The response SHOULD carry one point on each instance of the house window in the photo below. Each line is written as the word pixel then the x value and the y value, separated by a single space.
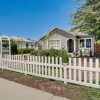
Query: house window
pixel 27 45
pixel 82 43
pixel 88 43
pixel 54 43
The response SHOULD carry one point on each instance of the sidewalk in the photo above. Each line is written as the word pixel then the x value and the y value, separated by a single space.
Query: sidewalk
pixel 13 91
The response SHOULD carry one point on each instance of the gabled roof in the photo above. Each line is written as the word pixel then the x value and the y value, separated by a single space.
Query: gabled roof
pixel 75 33
pixel 51 32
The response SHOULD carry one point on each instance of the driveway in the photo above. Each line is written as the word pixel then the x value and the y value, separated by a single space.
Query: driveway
pixel 13 91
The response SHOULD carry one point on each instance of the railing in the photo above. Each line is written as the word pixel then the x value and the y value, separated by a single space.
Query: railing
pixel 78 71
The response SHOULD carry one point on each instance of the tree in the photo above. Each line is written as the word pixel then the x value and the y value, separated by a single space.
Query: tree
pixel 14 49
pixel 87 17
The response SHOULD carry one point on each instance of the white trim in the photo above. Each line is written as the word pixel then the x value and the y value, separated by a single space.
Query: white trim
pixel 85 43
pixel 91 42
pixel 8 48
pixel 85 48
pixel 54 39
pixel 74 44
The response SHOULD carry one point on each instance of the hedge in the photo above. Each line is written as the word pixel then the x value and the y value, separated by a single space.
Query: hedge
pixel 25 51
pixel 52 53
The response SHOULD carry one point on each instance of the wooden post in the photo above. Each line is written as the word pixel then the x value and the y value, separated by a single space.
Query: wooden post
pixel 65 74
pixel 97 73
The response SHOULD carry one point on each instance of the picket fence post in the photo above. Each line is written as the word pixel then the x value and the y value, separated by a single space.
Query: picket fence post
pixel 25 66
pixel 65 73
pixel 2 63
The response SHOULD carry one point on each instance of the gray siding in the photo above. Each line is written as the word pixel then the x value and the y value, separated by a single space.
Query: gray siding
pixel 60 35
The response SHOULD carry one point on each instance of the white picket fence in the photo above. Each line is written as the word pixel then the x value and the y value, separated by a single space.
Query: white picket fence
pixel 78 71
pixel 84 72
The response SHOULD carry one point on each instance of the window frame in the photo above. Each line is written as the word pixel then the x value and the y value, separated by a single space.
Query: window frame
pixel 80 42
pixel 85 43
pixel 53 46
pixel 90 43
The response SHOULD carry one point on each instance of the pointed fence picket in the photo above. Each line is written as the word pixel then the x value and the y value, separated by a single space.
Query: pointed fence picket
pixel 78 71
pixel 83 74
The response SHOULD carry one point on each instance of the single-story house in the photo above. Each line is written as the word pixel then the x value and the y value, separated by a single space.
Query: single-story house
pixel 71 42
pixel 23 42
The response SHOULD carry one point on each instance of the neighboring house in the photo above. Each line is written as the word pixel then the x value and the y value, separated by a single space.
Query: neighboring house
pixel 71 42
pixel 22 42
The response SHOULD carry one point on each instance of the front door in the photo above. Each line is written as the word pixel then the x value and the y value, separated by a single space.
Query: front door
pixel 70 46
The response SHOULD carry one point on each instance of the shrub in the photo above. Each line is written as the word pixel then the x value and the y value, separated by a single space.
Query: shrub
pixel 34 52
pixel 43 53
pixel 25 51
pixel 14 49
pixel 64 55
pixel 52 53
pixel 40 53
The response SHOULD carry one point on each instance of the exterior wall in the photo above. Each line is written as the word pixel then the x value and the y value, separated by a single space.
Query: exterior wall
pixel 92 44
pixel 64 37
pixel 23 45
pixel 58 34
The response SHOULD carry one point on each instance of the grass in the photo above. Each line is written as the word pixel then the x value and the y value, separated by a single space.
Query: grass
pixel 70 91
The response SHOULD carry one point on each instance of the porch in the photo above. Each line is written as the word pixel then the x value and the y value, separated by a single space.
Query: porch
pixel 71 45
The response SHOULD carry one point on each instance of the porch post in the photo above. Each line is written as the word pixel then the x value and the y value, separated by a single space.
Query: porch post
pixel 66 45
pixel 75 45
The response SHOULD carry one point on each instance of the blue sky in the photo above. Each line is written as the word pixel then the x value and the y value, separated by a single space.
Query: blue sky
pixel 33 18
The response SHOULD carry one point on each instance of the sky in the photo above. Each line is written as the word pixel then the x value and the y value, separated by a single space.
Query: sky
pixel 33 18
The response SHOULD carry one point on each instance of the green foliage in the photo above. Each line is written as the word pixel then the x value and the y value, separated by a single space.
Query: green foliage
pixel 64 55
pixel 98 42
pixel 52 53
pixel 5 43
pixel 25 51
pixel 34 52
pixel 80 53
pixel 14 49
pixel 13 46
pixel 87 17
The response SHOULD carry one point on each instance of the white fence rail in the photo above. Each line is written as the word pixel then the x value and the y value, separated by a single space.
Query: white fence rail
pixel 78 71
pixel 34 65
pixel 84 72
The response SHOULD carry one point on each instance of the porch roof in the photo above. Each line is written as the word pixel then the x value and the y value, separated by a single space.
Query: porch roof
pixel 84 35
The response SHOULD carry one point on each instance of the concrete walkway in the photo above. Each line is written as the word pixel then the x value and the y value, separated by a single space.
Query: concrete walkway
pixel 13 91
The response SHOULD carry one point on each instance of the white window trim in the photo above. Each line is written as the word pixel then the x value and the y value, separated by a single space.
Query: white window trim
pixel 91 43
pixel 54 39
pixel 85 43
pixel 74 44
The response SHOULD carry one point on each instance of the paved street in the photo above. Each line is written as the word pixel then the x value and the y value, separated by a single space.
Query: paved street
pixel 13 91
